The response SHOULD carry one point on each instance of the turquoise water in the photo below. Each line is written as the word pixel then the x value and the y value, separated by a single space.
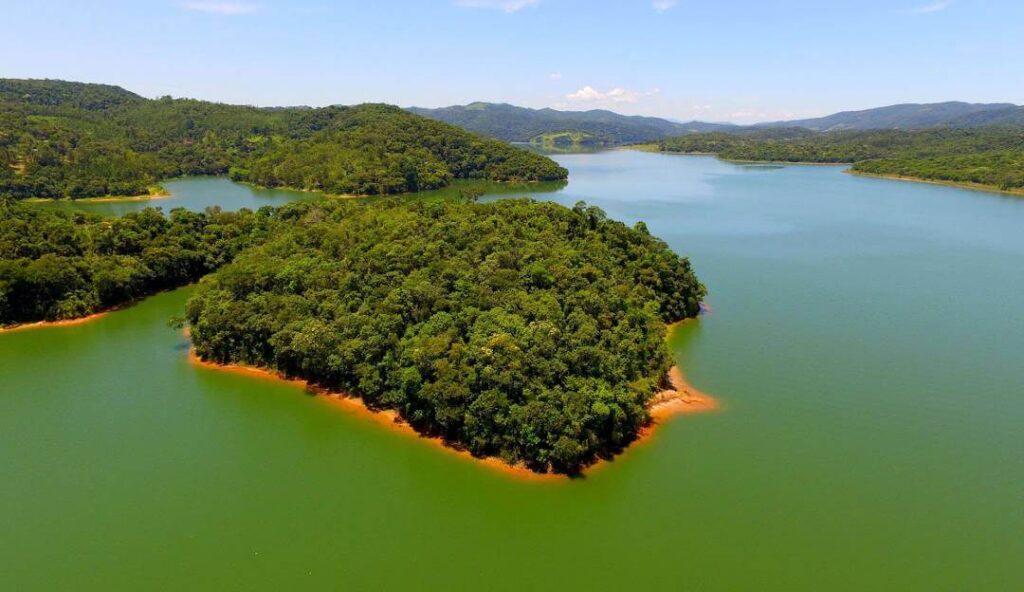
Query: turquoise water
pixel 195 193
pixel 864 340
pixel 198 193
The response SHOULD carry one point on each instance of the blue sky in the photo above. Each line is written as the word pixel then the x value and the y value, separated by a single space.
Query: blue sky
pixel 686 59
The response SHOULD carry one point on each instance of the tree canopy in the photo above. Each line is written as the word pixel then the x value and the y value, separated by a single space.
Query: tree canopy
pixel 58 265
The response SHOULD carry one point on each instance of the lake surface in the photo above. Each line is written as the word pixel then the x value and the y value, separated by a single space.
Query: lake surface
pixel 198 193
pixel 865 340
pixel 194 193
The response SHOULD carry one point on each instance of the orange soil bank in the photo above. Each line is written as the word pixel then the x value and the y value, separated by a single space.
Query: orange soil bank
pixel 681 399
pixel 64 323
pixel 386 417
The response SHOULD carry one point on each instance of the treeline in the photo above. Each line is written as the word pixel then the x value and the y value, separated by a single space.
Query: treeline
pixel 986 156
pixel 57 265
pixel 65 139
pixel 522 330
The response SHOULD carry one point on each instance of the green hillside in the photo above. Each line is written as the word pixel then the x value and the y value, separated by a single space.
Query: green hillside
pixel 69 139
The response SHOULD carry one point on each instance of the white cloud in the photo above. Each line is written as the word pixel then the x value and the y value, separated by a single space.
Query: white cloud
pixel 930 8
pixel 589 94
pixel 221 7
pixel 663 5
pixel 508 6
pixel 555 76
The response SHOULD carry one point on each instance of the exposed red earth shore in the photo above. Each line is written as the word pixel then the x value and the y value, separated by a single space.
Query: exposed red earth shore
pixel 681 399
pixel 62 323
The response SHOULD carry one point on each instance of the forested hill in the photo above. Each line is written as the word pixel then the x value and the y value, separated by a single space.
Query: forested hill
pixel 71 139
pixel 520 124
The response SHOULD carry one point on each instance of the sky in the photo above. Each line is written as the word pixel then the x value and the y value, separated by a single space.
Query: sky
pixel 739 61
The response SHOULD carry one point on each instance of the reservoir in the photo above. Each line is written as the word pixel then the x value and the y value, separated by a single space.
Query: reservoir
pixel 864 339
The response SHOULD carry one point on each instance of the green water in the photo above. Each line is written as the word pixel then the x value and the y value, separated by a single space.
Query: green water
pixel 865 340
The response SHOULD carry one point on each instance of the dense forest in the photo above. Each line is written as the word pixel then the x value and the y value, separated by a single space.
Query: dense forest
pixel 993 157
pixel 58 265
pixel 522 330
pixel 68 139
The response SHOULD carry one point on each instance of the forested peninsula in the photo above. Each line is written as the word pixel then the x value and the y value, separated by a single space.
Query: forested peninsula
pixel 987 157
pixel 75 140
pixel 525 331
pixel 520 330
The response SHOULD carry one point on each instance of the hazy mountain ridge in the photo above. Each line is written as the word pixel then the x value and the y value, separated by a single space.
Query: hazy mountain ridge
pixel 522 124
pixel 912 116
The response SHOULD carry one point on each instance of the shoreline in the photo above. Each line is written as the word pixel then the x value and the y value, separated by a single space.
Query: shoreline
pixel 328 196
pixel 783 162
pixel 387 418
pixel 652 148
pixel 61 323
pixel 87 318
pixel 155 195
pixel 957 184
pixel 891 177
pixel 681 399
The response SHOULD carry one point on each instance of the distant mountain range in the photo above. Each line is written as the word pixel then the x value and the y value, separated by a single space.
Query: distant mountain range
pixel 601 127
pixel 913 116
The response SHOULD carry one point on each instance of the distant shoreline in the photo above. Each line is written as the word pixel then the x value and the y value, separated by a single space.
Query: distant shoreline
pixel 892 177
pixel 681 399
pixel 653 148
pixel 328 196
pixel 783 162
pixel 83 319
pixel 958 184
pixel 157 193
pixel 61 323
